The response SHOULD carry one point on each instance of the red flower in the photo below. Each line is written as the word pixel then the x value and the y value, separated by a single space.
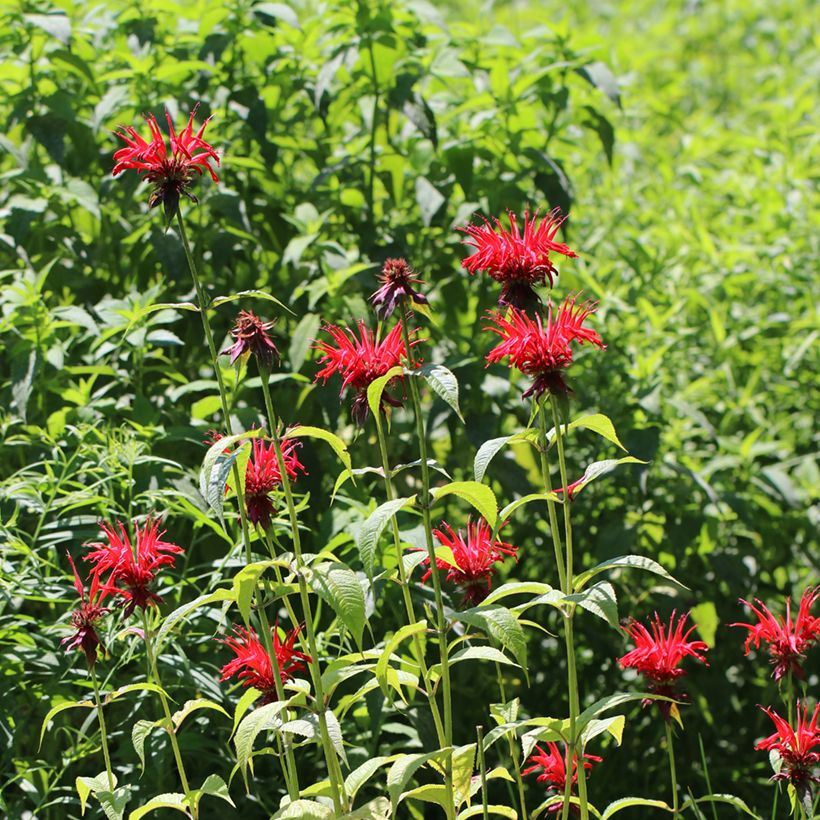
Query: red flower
pixel 361 361
pixel 787 640
pixel 657 655
pixel 795 747
pixel 554 771
pixel 250 335
pixel 475 557
pixel 542 349
pixel 263 477
pixel 131 577
pixel 252 664
pixel 170 173
pixel 397 278
pixel 85 618
pixel 517 260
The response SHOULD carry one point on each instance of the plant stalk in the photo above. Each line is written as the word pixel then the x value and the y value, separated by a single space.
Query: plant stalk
pixel 103 733
pixel 479 730
pixel 513 746
pixel 671 752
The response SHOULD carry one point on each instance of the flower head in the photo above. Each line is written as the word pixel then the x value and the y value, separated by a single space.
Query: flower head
pixel 475 554
pixel 169 169
pixel 552 770
pixel 252 664
pixel 86 616
pixel 541 349
pixel 131 577
pixel 263 476
pixel 787 640
pixel 397 278
pixel 250 335
pixel 519 260
pixel 361 360
pixel 795 747
pixel 657 655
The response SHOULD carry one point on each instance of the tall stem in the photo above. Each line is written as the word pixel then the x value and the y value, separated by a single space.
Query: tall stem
pixel 553 517
pixel 572 676
pixel 479 730
pixel 671 752
pixel 101 716
pixel 292 779
pixel 424 503
pixel 513 746
pixel 169 722
pixel 337 788
pixel 405 589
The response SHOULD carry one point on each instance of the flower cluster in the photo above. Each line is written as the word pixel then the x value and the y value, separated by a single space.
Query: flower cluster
pixel 552 771
pixel 263 476
pixel 361 360
pixel 169 168
pixel 795 746
pixel 251 337
pixel 658 654
pixel 398 279
pixel 787 640
pixel 85 618
pixel 475 554
pixel 252 664
pixel 542 348
pixel 517 259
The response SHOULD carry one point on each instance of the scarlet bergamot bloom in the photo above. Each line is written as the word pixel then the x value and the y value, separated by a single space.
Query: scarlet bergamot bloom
pixel 252 664
pixel 658 654
pixel 476 553
pixel 169 168
pixel 552 771
pixel 542 348
pixel 398 279
pixel 361 360
pixel 131 577
pixel 787 640
pixel 85 618
pixel 518 260
pixel 263 476
pixel 795 746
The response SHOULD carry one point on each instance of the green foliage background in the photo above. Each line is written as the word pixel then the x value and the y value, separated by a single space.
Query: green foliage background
pixel 682 137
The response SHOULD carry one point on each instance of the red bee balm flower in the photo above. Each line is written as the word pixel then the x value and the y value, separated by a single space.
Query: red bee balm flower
pixel 131 577
pixel 252 664
pixel 553 771
pixel 397 278
pixel 542 349
pixel 517 260
pixel 170 172
pixel 250 335
pixel 795 747
pixel 361 361
pixel 85 618
pixel 787 640
pixel 263 477
pixel 657 655
pixel 475 557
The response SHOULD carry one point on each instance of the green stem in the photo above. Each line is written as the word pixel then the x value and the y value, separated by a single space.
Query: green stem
pixel 292 779
pixel 103 733
pixel 513 746
pixel 572 676
pixel 671 752
pixel 479 730
pixel 169 722
pixel 373 127
pixel 405 588
pixel 424 503
pixel 337 788
pixel 553 518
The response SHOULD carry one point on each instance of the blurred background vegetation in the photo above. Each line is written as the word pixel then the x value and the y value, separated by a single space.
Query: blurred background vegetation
pixel 683 139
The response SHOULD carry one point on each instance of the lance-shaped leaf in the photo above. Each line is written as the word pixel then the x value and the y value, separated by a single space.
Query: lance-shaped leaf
pixel 488 451
pixel 442 382
pixel 501 624
pixel 306 431
pixel 339 587
pixel 260 719
pixel 478 495
pixel 372 528
pixel 625 562
pixel 376 388
pixel 600 600
pixel 247 294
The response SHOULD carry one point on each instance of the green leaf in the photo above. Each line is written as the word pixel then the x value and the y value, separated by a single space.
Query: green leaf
pixel 442 382
pixel 339 587
pixel 599 75
pixel 377 387
pixel 260 719
pixel 249 697
pixel 93 785
pixel 600 600
pixel 624 561
pixel 613 725
pixel 527 499
pixel 518 588
pixel 303 334
pixel 193 706
pixel 498 811
pixel 182 612
pixel 501 624
pixel 598 423
pixel 214 786
pixel 729 799
pixel 61 707
pixel 361 774
pixel 281 11
pixel 463 767
pixel 404 768
pixel 429 199
pixel 601 468
pixel 478 495
pixel 245 584
pixel 483 653
pixel 369 533
pixel 139 734
pixel 491 448
pixel 429 793
pixel 306 431
pixel 169 800
pixel 304 810
pixel 247 294
pixel 392 645
pixel 631 802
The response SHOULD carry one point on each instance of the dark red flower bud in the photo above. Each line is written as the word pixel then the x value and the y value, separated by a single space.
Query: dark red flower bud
pixel 397 278
pixel 251 336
